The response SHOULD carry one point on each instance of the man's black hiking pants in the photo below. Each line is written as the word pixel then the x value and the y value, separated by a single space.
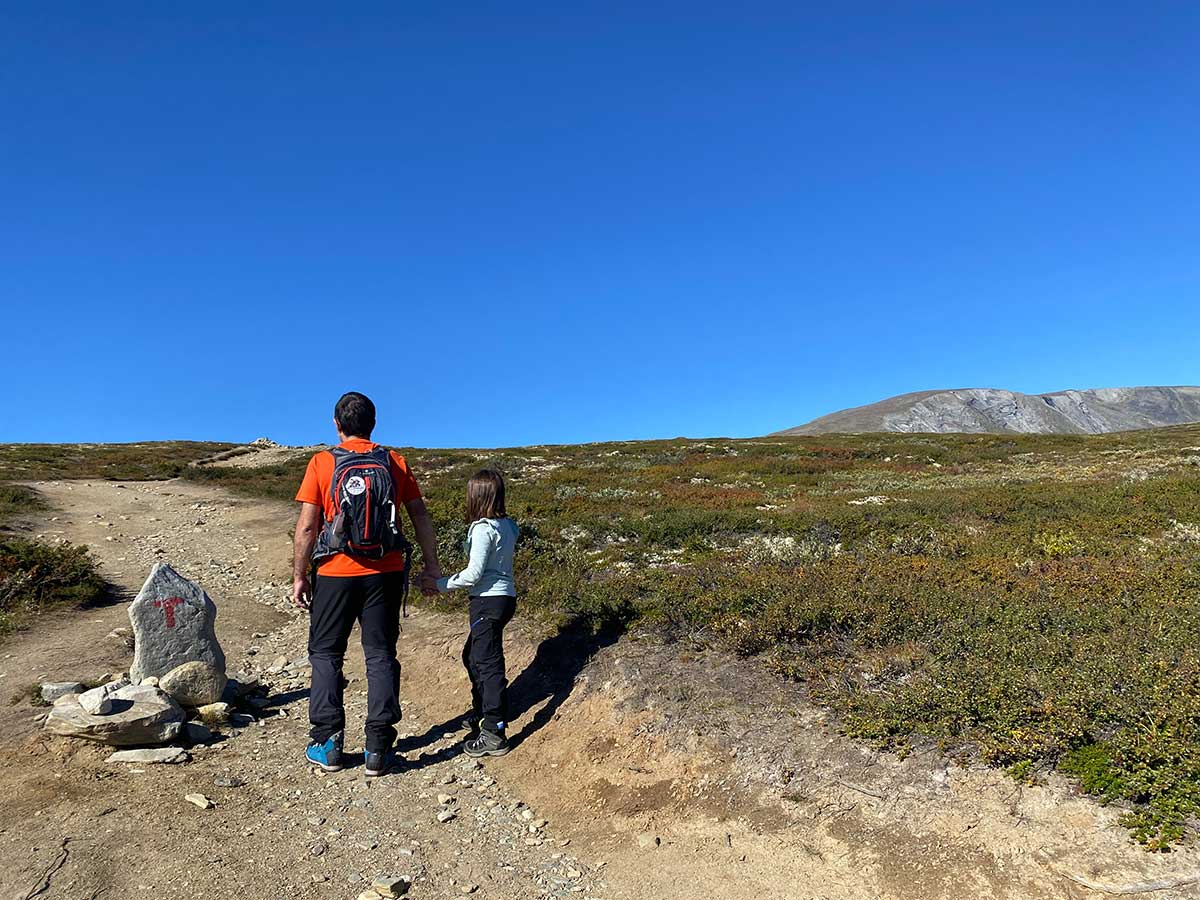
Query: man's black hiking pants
pixel 374 601
pixel 483 655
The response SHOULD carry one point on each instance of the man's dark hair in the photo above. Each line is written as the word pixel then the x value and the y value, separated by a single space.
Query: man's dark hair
pixel 355 415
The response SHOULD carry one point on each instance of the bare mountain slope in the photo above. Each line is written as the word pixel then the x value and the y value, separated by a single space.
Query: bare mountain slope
pixel 980 410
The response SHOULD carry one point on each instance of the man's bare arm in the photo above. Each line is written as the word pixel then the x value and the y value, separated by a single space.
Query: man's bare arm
pixel 308 526
pixel 423 528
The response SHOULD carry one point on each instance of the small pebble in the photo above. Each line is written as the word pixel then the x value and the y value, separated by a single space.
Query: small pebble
pixel 199 800
pixel 391 886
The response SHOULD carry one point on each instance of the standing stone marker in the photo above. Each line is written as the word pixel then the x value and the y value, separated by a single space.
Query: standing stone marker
pixel 173 623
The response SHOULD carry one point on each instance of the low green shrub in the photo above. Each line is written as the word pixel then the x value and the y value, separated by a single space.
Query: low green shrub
pixel 36 578
pixel 16 499
pixel 121 462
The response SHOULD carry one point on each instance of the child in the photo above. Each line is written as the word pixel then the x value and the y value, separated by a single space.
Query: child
pixel 491 542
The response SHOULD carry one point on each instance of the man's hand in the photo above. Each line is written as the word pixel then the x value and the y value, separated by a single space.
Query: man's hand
pixel 428 581
pixel 423 527
pixel 307 527
pixel 302 592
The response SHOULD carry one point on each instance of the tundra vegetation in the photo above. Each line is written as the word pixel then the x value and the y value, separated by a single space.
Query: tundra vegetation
pixel 1029 601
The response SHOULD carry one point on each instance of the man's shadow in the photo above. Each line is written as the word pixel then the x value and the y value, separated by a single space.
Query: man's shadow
pixel 549 677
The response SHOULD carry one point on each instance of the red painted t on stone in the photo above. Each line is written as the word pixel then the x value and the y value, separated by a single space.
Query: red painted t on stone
pixel 168 608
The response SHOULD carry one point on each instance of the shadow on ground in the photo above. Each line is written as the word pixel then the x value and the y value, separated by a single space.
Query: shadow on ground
pixel 549 677
pixel 112 595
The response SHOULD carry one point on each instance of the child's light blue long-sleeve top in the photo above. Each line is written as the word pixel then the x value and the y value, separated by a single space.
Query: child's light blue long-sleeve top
pixel 491 545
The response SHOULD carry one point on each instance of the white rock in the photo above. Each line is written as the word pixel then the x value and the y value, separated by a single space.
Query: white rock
pixel 52 690
pixel 391 885
pixel 214 714
pixel 194 683
pixel 167 755
pixel 98 701
pixel 199 800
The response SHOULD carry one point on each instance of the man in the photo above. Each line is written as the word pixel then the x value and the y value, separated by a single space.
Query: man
pixel 361 558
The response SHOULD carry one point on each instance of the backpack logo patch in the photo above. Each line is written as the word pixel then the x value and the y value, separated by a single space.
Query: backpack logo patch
pixel 355 485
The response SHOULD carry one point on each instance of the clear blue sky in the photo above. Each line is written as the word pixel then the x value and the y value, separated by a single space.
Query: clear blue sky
pixel 520 223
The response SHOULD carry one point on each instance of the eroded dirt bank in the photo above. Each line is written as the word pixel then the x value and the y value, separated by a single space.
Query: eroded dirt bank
pixel 663 774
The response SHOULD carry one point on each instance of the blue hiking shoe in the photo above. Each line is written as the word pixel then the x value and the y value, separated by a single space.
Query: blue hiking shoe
pixel 327 755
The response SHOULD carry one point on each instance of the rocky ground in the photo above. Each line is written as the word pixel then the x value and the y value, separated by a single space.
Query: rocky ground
pixel 641 770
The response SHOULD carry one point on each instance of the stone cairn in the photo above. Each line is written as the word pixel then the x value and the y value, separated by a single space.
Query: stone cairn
pixel 178 673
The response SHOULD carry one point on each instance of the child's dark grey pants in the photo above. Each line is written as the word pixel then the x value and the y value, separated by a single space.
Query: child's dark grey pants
pixel 483 655
pixel 374 601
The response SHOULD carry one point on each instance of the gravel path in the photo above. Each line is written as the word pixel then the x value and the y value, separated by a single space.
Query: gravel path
pixel 277 828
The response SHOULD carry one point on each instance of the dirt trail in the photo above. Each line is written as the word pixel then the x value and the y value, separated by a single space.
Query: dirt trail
pixel 663 774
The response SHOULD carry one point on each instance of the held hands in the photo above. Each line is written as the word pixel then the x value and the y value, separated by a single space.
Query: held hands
pixel 428 581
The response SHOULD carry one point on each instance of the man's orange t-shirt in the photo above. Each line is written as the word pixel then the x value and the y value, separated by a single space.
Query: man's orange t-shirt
pixel 315 490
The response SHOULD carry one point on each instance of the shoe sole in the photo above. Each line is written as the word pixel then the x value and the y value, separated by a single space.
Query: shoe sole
pixel 478 753
pixel 375 773
pixel 325 767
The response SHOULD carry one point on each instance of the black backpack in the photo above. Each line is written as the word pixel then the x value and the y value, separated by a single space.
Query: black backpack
pixel 364 495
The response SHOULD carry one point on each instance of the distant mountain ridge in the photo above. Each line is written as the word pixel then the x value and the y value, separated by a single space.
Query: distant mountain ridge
pixel 991 410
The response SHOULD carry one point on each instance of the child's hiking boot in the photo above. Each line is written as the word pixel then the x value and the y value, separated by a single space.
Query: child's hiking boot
pixel 378 763
pixel 327 755
pixel 486 743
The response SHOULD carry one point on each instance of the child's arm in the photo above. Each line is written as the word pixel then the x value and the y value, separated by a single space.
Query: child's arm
pixel 481 548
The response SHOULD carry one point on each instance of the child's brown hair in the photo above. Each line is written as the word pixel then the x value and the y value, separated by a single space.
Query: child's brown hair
pixel 485 496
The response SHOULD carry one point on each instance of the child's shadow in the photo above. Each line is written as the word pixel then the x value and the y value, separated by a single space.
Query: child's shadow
pixel 549 676
pixel 552 673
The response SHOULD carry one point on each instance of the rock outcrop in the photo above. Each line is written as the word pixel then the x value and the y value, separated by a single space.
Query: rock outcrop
pixel 988 410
